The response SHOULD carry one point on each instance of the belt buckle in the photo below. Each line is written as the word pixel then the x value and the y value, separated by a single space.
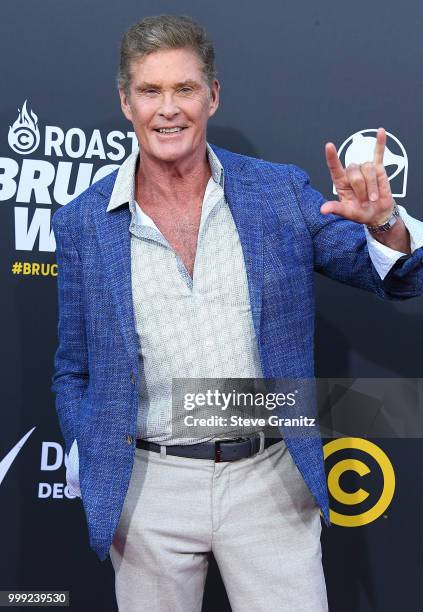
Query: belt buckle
pixel 218 450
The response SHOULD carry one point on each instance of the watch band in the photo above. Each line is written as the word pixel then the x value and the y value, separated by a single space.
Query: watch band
pixel 391 220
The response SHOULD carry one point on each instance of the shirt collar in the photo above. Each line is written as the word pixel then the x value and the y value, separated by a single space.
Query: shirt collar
pixel 123 189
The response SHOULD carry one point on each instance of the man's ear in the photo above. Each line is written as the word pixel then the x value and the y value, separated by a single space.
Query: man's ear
pixel 214 97
pixel 124 104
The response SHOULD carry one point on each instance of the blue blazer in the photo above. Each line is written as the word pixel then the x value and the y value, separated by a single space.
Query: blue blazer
pixel 284 239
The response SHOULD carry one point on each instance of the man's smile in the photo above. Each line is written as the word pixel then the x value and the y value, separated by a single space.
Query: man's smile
pixel 170 132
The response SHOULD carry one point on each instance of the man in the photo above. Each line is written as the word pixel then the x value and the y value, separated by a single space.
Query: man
pixel 195 262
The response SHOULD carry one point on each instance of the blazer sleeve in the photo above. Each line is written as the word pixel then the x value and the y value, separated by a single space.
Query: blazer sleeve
pixel 70 378
pixel 341 253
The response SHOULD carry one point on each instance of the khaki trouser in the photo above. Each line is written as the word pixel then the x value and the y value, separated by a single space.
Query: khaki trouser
pixel 256 515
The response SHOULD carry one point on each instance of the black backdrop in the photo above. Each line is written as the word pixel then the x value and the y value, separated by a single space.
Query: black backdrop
pixel 294 75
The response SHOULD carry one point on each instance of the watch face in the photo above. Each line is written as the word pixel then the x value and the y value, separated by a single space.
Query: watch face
pixel 389 223
pixel 393 220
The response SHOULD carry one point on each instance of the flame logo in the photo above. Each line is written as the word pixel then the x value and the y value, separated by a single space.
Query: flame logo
pixel 359 148
pixel 24 135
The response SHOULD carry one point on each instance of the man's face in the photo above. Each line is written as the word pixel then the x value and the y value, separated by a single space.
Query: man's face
pixel 168 90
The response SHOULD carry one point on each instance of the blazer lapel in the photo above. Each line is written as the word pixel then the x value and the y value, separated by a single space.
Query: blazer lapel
pixel 115 245
pixel 244 199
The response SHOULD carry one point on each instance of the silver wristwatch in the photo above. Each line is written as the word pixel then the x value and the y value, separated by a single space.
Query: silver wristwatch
pixel 384 227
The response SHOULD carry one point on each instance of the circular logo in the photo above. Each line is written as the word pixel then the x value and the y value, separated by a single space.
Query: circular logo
pixel 359 148
pixel 359 496
pixel 24 135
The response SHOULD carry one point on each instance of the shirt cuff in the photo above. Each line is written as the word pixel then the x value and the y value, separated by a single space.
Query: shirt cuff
pixel 72 470
pixel 382 256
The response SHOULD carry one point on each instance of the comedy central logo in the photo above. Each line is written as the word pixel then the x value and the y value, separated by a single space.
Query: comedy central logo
pixel 359 148
pixel 24 135
pixel 361 481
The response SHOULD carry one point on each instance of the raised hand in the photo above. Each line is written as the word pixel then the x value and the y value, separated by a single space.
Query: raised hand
pixel 363 189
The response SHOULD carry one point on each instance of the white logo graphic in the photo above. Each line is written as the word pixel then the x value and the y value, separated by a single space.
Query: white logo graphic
pixel 24 135
pixel 12 454
pixel 65 163
pixel 359 148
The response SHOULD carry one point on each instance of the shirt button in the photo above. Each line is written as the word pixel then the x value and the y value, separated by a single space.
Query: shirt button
pixel 129 439
pixel 132 378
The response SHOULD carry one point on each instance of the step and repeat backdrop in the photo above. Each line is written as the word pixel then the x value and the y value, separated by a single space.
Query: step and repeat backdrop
pixel 294 75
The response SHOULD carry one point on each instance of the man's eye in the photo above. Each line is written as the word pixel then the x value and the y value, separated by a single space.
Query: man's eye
pixel 186 89
pixel 150 91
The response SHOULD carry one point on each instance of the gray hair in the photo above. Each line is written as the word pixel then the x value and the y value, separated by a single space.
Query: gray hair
pixel 164 32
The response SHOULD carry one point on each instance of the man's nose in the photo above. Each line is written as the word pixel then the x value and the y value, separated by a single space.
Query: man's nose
pixel 169 107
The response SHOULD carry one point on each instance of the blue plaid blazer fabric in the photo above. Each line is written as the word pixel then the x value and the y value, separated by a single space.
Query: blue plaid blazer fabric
pixel 284 239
